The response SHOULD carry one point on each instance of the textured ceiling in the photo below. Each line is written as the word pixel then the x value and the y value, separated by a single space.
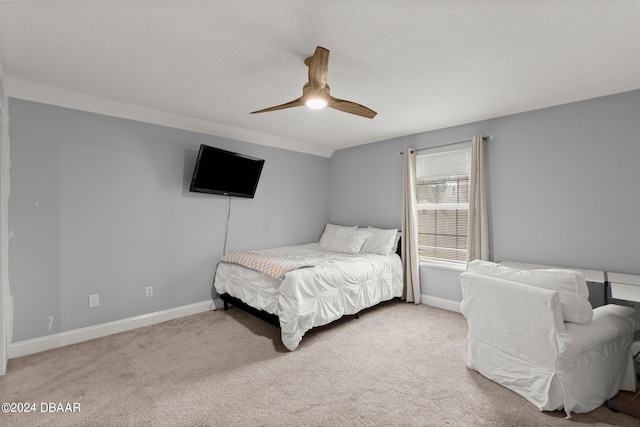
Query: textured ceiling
pixel 421 65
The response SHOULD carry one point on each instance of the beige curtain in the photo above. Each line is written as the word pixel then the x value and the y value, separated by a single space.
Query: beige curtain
pixel 478 230
pixel 409 240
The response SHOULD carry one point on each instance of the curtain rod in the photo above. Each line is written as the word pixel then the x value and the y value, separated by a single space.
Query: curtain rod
pixel 484 138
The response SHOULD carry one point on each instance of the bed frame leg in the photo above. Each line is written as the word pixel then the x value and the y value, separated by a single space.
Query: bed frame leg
pixel 226 305
pixel 357 315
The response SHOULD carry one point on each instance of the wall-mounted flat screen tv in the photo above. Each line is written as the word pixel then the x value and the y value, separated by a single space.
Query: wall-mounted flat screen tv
pixel 224 172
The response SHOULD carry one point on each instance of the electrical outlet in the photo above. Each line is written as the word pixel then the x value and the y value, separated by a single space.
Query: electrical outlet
pixel 148 291
pixel 94 300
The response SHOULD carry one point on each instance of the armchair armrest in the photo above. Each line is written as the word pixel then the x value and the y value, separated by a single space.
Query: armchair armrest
pixel 518 319
pixel 610 323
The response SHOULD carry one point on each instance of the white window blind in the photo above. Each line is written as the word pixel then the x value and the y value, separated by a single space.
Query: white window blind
pixel 442 186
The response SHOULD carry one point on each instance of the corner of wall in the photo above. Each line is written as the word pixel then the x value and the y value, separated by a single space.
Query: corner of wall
pixel 5 308
pixel 3 95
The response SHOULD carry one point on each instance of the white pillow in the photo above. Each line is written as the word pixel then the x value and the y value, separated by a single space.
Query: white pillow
pixel 395 242
pixel 381 241
pixel 329 231
pixel 570 285
pixel 348 241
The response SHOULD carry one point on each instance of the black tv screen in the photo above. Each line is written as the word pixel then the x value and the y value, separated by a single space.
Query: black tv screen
pixel 224 172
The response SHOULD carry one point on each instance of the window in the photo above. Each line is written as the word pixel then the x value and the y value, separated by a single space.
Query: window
pixel 442 186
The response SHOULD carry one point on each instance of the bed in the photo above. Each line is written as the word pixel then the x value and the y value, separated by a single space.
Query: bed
pixel 305 286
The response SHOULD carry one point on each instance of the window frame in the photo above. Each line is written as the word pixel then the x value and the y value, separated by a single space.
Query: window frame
pixel 434 260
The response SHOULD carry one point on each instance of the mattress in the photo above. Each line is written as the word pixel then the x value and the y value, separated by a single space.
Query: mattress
pixel 338 284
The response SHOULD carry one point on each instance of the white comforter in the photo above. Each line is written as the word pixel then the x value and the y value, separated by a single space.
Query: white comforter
pixel 339 284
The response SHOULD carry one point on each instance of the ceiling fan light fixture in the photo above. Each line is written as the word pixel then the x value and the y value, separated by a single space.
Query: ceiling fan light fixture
pixel 315 93
pixel 315 103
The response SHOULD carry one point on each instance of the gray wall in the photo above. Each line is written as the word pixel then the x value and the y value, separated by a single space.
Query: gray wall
pixel 563 186
pixel 101 205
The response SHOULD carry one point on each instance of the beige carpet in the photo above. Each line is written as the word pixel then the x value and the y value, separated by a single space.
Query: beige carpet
pixel 398 365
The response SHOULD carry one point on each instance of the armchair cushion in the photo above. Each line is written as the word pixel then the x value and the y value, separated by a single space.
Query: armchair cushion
pixel 570 285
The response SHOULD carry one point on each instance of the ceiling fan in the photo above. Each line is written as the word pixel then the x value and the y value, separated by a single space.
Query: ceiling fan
pixel 315 93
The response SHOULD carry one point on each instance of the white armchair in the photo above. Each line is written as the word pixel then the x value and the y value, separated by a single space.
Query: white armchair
pixel 519 337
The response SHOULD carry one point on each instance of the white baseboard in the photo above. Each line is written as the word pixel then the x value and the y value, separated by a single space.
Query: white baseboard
pixel 49 342
pixel 445 304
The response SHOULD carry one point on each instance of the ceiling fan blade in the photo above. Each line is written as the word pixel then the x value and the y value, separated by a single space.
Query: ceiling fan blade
pixel 351 107
pixel 318 64
pixel 295 103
